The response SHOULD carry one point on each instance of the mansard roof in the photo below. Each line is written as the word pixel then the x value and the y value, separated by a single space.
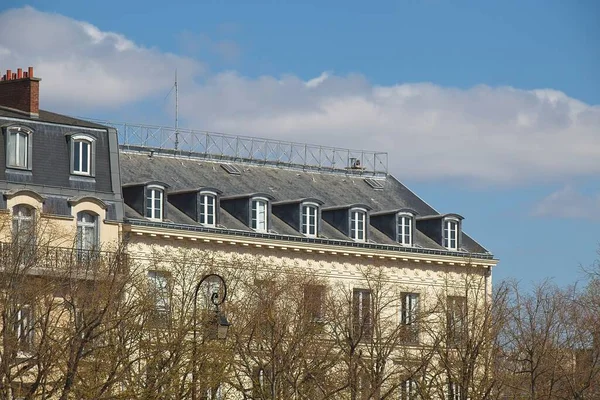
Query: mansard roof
pixel 282 184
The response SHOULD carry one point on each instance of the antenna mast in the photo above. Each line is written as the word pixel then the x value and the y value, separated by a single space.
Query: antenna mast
pixel 176 113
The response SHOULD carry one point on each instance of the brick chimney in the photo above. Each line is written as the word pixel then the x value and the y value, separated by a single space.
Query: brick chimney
pixel 20 91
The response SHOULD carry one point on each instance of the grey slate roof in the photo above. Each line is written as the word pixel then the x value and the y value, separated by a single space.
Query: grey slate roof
pixel 50 117
pixel 283 184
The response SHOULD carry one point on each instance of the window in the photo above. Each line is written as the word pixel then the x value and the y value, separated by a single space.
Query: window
pixel 18 148
pixel 456 319
pixel 314 296
pixel 451 234
pixel 23 230
pixel 207 209
pixel 23 326
pixel 214 393
pixel 408 390
pixel 309 220
pixel 159 290
pixel 405 229
pixel 454 391
pixel 82 155
pixel 259 215
pixel 261 383
pixel 154 202
pixel 87 234
pixel 410 315
pixel 361 313
pixel 357 225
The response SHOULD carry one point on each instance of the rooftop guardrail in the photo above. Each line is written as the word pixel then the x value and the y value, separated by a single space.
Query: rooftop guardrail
pixel 221 146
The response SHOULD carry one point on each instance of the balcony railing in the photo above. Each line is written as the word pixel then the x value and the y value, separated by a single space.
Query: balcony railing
pixel 60 261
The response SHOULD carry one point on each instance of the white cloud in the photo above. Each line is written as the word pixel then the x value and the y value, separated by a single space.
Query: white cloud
pixel 82 66
pixel 483 134
pixel 569 203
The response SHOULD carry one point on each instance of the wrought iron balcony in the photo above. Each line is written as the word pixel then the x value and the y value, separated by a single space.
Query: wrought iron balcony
pixel 60 262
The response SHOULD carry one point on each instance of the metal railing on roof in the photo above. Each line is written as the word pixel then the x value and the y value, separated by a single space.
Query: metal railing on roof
pixel 220 146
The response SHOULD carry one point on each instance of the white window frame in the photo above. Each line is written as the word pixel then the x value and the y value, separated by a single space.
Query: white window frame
pixel 77 142
pixel 358 225
pixel 408 390
pixel 455 391
pixel 451 232
pixel 154 213
pixel 23 225
pixel 409 312
pixel 159 284
pixel 403 221
pixel 24 325
pixel 20 148
pixel 259 206
pixel 207 201
pixel 307 227
pixel 87 231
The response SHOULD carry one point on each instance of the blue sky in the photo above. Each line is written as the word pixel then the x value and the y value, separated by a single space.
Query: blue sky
pixel 487 109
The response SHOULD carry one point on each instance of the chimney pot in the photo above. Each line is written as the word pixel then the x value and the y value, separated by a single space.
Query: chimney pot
pixel 19 93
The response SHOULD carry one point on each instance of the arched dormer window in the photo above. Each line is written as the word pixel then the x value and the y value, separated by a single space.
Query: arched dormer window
pixel 207 210
pixel 310 223
pixel 404 230
pixel 155 202
pixel 358 224
pixel 259 220
pixel 451 233
pixel 83 154
pixel 19 147
pixel 87 232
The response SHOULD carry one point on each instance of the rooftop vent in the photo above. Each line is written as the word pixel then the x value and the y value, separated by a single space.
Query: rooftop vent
pixel 231 169
pixel 375 184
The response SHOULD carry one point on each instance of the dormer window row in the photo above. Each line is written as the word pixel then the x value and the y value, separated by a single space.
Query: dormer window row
pixel 255 210
pixel 19 150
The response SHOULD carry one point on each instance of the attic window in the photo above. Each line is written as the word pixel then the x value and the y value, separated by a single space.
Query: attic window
pixel 405 223
pixel 309 219
pixel 207 209
pixel 154 202
pixel 451 234
pixel 358 223
pixel 375 184
pixel 18 148
pixel 259 221
pixel 231 169
pixel 83 153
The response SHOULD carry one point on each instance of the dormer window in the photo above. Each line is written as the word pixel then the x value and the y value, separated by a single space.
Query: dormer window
pixel 309 219
pixel 259 221
pixel 404 229
pixel 18 148
pixel 82 155
pixel 206 213
pixel 358 222
pixel 154 202
pixel 451 234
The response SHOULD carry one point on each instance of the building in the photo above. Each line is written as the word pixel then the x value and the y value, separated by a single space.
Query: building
pixel 330 212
